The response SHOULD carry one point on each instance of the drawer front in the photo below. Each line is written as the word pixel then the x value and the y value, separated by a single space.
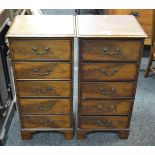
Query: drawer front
pixel 41 49
pixel 42 70
pixel 107 90
pixel 43 89
pixel 105 107
pixel 103 122
pixel 45 106
pixel 110 50
pixel 108 71
pixel 49 121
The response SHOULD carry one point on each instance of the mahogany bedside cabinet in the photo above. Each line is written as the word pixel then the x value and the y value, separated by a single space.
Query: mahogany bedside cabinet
pixel 41 49
pixel 110 48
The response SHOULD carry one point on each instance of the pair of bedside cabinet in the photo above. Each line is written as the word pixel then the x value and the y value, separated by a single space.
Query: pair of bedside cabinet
pixel 42 53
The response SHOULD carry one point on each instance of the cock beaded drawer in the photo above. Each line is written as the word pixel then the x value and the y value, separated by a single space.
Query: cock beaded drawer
pixel 42 58
pixel 110 49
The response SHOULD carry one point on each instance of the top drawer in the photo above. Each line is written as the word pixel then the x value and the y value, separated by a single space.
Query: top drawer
pixel 110 50
pixel 41 49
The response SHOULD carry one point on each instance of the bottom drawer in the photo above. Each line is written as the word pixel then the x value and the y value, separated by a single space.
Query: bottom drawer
pixel 49 121
pixel 102 122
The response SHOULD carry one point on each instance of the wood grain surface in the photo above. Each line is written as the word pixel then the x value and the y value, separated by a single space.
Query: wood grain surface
pixel 105 107
pixel 43 70
pixel 145 17
pixel 109 26
pixel 43 89
pixel 45 106
pixel 46 121
pixel 107 89
pixel 41 49
pixel 103 122
pixel 43 26
pixel 108 71
pixel 110 50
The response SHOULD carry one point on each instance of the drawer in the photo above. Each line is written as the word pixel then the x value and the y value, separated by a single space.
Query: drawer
pixel 110 50
pixel 107 90
pixel 48 121
pixel 45 106
pixel 34 49
pixel 116 107
pixel 43 89
pixel 43 70
pixel 108 71
pixel 103 122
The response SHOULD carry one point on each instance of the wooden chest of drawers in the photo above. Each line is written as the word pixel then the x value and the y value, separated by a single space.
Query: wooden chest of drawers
pixel 109 58
pixel 42 58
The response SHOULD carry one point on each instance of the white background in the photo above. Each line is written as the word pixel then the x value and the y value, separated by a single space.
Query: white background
pixel 77 4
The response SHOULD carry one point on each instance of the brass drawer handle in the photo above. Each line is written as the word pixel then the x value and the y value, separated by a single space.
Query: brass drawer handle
pixel 136 14
pixel 46 108
pixel 106 73
pixel 111 52
pixel 104 91
pixel 106 109
pixel 48 90
pixel 104 123
pixel 49 123
pixel 36 70
pixel 46 50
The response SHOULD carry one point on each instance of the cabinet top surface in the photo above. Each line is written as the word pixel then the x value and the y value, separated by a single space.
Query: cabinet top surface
pixel 42 26
pixel 108 26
